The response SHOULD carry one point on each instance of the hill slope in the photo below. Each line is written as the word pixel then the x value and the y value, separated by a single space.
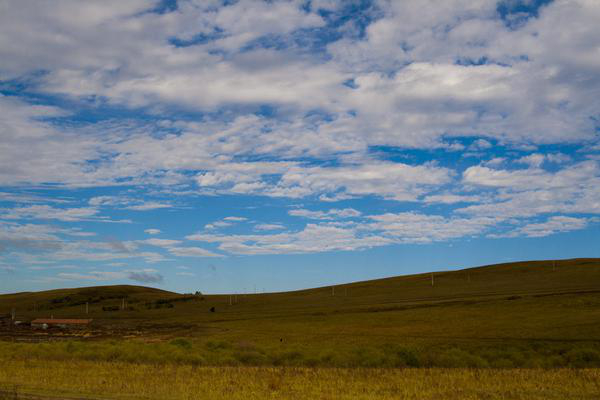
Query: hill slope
pixel 522 284
pixel 540 313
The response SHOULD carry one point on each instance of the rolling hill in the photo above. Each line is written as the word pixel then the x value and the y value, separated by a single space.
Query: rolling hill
pixel 556 295
pixel 538 313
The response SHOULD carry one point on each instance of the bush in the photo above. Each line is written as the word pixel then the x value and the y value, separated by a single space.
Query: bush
pixel 180 342
pixel 583 358
pixel 250 357
pixel 406 358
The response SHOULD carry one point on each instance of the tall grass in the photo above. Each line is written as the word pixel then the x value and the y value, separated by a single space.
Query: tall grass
pixel 120 380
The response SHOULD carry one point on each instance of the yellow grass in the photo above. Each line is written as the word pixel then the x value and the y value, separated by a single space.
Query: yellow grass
pixel 115 380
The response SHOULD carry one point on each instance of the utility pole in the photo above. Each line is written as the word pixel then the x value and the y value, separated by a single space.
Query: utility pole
pixel 432 279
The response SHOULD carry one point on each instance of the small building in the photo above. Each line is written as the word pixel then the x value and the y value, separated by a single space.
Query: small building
pixel 45 323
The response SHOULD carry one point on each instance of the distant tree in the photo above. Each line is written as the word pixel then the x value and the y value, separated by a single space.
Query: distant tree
pixel 198 293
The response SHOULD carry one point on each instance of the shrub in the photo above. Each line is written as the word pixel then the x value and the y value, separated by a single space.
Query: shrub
pixel 583 358
pixel 406 358
pixel 180 342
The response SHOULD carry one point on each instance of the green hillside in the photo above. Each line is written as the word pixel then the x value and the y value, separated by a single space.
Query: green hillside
pixel 518 312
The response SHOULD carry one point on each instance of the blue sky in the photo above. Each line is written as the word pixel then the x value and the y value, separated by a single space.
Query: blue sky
pixel 234 146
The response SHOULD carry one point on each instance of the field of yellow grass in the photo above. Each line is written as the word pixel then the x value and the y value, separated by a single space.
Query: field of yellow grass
pixel 117 380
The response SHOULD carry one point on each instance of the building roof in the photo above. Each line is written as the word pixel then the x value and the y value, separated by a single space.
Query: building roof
pixel 61 321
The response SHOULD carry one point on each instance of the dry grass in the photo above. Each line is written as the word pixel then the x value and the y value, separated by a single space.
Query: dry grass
pixel 127 381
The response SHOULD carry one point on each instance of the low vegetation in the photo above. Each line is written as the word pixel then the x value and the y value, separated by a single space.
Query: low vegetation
pixel 525 330
pixel 195 352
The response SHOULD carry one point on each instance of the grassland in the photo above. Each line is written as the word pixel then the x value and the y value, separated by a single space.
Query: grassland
pixel 120 381
pixel 508 323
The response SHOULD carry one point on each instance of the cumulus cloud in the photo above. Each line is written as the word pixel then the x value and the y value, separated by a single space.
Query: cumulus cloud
pixel 534 191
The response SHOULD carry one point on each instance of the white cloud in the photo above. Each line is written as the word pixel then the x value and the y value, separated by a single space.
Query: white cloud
pixel 424 75
pixel 410 227
pixel 313 238
pixel 28 238
pixel 551 226
pixel 192 252
pixel 127 203
pixel 235 219
pixel 533 178
pixel 449 198
pixel 268 227
pixel 43 211
pixel 373 231
pixel 160 242
pixel 533 191
pixel 149 205
pixel 533 160
pixel 391 180
pixel 325 215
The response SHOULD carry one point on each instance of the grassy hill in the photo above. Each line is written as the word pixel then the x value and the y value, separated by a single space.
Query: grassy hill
pixel 528 313
pixel 64 301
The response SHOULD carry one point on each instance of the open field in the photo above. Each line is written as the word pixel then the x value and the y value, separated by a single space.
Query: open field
pixel 515 326
pixel 95 380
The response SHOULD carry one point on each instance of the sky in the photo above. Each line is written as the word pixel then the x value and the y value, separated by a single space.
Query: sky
pixel 250 146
